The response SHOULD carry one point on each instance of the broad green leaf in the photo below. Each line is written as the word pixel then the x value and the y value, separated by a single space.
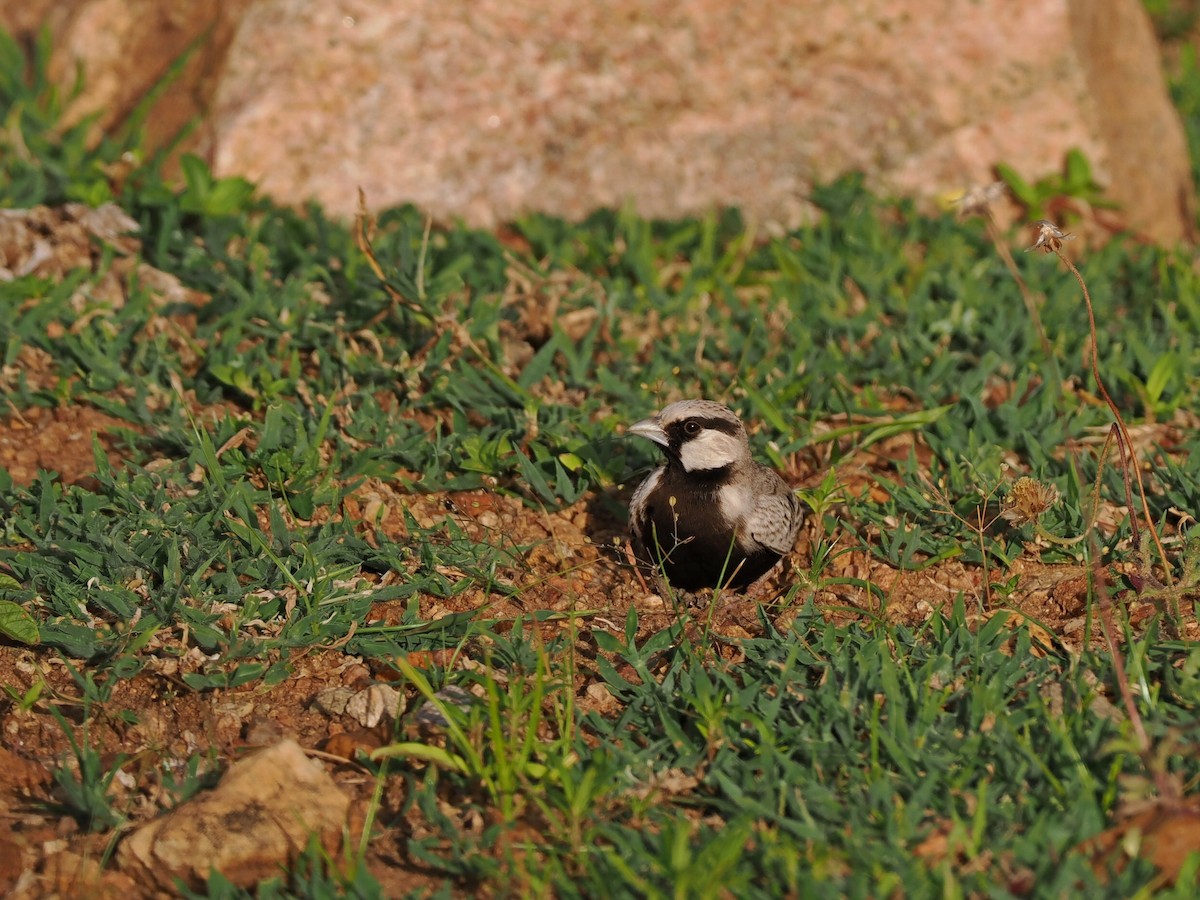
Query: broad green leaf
pixel 17 624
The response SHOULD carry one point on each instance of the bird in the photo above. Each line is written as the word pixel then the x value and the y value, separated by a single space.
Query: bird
pixel 709 516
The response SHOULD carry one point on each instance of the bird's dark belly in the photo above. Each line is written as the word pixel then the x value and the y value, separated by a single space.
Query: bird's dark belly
pixel 694 548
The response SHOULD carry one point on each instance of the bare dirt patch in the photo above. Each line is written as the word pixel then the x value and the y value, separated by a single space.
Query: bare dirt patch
pixel 61 440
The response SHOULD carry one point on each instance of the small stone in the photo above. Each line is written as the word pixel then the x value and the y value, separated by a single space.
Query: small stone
pixel 429 716
pixel 257 819
pixel 333 700
pixel 369 707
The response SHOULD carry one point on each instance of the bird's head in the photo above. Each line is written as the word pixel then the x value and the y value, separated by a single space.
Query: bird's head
pixel 704 436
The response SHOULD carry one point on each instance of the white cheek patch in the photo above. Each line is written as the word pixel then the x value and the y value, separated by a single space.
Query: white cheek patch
pixel 710 449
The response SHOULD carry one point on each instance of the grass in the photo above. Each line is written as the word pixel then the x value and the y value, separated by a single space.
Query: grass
pixel 296 458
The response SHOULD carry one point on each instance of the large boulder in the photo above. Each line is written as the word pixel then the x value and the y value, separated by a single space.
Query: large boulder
pixel 485 109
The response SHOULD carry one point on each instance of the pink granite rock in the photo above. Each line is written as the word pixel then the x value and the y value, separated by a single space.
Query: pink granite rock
pixel 485 109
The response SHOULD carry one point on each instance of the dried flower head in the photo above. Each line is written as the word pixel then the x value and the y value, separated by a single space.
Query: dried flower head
pixel 1049 237
pixel 1028 500
pixel 977 201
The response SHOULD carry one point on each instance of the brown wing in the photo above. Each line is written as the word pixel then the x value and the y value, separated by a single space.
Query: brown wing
pixel 777 514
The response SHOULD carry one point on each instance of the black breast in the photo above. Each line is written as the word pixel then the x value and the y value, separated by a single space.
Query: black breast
pixel 695 545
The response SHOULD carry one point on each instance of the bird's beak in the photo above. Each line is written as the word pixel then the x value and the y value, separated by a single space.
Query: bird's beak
pixel 649 429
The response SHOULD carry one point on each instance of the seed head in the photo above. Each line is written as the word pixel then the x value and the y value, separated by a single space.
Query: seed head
pixel 978 200
pixel 1049 237
pixel 1028 500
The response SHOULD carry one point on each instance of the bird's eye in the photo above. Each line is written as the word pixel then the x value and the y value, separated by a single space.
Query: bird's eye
pixel 691 427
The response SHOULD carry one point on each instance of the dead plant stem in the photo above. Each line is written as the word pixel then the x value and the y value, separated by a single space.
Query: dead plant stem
pixel 1125 439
